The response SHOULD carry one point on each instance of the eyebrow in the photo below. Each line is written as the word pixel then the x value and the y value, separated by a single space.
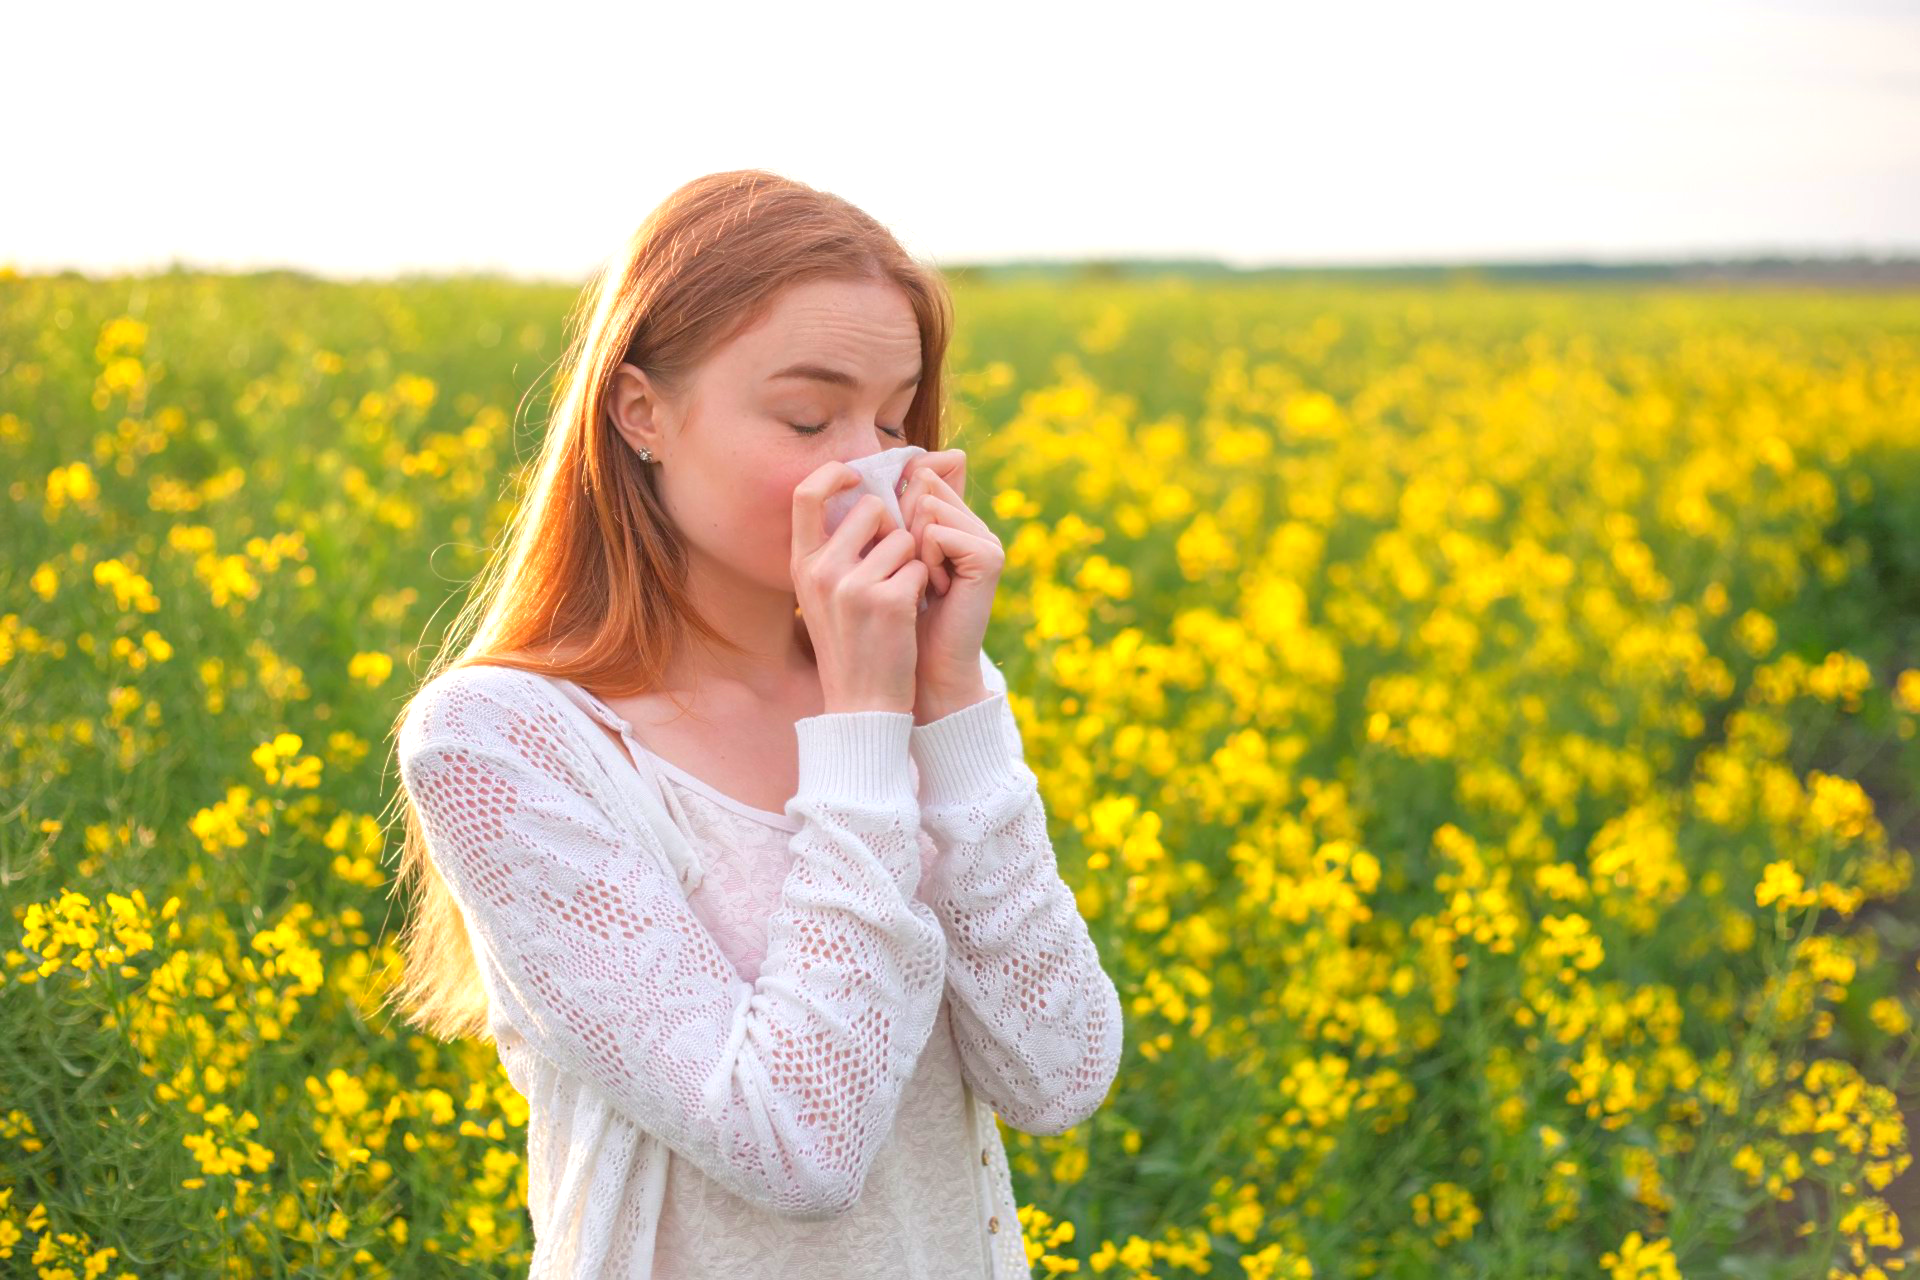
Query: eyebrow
pixel 833 377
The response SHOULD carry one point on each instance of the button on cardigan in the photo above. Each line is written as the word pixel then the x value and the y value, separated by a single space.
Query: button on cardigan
pixel 636 1038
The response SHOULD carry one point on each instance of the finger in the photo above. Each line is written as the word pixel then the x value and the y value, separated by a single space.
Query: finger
pixel 945 463
pixel 949 464
pixel 949 544
pixel 913 572
pixel 934 509
pixel 866 520
pixel 932 555
pixel 931 485
pixel 810 504
pixel 929 515
pixel 890 554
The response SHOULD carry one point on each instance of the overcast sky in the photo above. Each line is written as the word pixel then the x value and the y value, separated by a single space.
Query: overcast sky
pixel 353 139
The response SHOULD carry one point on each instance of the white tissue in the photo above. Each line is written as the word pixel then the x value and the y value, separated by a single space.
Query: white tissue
pixel 880 476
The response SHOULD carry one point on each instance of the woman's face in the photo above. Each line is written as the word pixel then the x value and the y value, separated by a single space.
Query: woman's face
pixel 840 356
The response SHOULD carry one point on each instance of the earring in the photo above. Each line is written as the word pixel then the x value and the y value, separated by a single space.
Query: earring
pixel 646 454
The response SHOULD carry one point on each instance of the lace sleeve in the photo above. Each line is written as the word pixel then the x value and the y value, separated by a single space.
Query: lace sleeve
pixel 783 1089
pixel 1036 1018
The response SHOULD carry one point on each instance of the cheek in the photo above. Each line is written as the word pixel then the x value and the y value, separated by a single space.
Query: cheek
pixel 774 499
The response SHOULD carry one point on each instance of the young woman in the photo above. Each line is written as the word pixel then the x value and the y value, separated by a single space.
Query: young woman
pixel 729 846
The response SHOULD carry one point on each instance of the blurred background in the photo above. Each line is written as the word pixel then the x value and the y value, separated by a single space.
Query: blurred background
pixel 383 139
pixel 1460 473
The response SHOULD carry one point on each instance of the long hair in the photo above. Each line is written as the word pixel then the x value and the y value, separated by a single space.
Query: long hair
pixel 588 579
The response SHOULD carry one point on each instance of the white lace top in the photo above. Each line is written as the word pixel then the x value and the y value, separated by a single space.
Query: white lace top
pixel 935 1199
pixel 717 1013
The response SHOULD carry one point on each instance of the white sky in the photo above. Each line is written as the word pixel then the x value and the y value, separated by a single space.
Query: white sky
pixel 364 139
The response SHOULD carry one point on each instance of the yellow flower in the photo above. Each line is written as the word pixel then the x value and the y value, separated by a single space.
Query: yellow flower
pixel 1639 1259
pixel 1781 883
pixel 276 761
pixel 70 484
pixel 1906 690
pixel 371 669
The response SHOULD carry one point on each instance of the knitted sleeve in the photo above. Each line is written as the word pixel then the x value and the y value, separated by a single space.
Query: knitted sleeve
pixel 783 1089
pixel 1036 1018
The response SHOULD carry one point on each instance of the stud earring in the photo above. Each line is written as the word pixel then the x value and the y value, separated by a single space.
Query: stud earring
pixel 646 454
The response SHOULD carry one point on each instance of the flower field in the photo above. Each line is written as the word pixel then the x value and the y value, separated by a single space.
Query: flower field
pixel 1479 724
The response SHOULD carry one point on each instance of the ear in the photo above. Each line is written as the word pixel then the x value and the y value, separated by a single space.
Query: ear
pixel 631 408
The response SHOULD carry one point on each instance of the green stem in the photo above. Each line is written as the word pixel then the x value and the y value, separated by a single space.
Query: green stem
pixel 1743 1065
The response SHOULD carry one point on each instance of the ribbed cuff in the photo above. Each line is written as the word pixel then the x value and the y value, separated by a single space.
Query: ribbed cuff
pixel 856 756
pixel 964 753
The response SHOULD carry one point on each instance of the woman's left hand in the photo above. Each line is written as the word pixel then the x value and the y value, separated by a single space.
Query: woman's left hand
pixel 963 559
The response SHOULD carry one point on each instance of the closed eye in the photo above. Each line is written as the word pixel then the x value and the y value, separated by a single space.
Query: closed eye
pixel 805 430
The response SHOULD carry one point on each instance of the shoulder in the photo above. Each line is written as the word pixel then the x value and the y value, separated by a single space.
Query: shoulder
pixel 476 706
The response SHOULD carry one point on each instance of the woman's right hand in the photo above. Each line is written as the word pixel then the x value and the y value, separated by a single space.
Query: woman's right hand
pixel 860 609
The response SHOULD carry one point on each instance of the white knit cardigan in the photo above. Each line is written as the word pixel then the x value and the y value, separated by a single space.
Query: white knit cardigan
pixel 630 1033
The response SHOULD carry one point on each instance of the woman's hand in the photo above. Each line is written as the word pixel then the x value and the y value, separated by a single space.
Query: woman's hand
pixel 963 559
pixel 858 605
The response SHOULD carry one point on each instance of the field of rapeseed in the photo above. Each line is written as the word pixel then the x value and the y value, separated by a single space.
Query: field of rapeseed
pixel 1479 725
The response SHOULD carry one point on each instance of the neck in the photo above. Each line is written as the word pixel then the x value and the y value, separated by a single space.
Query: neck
pixel 775 654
